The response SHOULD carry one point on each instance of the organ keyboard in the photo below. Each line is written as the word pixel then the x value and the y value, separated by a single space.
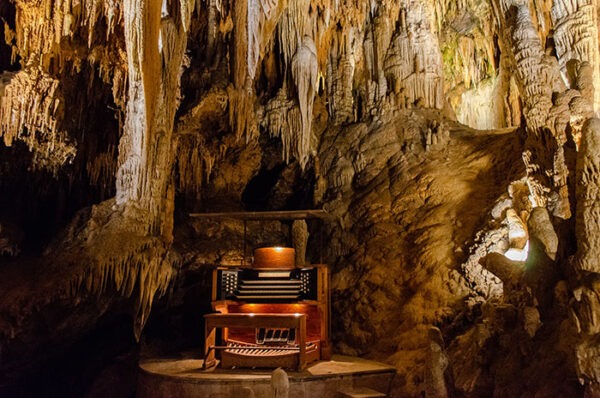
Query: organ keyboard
pixel 267 285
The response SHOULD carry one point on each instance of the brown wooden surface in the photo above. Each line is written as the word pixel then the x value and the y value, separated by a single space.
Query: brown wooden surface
pixel 291 321
pixel 274 257
pixel 313 316
pixel 214 285
pixel 323 295
pixel 256 320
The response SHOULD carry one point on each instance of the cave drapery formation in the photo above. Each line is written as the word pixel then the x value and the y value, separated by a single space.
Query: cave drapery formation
pixel 454 143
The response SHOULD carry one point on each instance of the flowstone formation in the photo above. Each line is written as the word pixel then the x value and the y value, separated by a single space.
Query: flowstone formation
pixel 452 142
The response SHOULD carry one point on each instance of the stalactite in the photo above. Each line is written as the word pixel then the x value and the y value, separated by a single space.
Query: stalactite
pixel 102 168
pixel 195 161
pixel 413 61
pixel 31 111
pixel 253 18
pixel 46 43
pixel 111 63
pixel 294 25
pixel 304 72
pixel 254 22
pixel 240 43
pixel 242 112
pixel 467 42
pixel 241 96
pixel 283 119
pixel 146 149
pixel 340 77
pixel 156 43
pixel 46 23
pixel 140 268
pixel 382 33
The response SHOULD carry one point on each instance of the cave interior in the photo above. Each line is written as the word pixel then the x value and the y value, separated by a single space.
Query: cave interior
pixel 454 145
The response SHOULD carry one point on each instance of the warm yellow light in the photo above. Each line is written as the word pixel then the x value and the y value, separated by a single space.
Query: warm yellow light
pixel 518 254
pixel 278 249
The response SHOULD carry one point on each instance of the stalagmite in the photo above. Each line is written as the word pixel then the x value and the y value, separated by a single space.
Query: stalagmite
pixel 517 230
pixel 509 272
pixel 280 384
pixel 538 78
pixel 437 362
pixel 576 37
pixel 540 228
pixel 587 304
pixel 300 240
pixel 527 55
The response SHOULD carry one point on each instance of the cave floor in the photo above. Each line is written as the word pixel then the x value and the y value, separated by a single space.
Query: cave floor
pixel 184 377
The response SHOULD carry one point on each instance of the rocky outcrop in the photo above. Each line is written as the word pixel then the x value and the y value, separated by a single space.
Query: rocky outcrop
pixel 403 222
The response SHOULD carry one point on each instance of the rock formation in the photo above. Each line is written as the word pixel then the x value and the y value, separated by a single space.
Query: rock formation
pixel 453 143
pixel 300 239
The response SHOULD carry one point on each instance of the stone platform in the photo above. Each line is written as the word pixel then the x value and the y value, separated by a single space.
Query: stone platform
pixel 184 378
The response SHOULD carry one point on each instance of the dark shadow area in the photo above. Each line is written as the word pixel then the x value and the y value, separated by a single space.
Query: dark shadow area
pixel 70 370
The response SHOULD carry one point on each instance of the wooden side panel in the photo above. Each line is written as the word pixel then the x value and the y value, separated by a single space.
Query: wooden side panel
pixel 324 307
pixel 209 342
pixel 214 284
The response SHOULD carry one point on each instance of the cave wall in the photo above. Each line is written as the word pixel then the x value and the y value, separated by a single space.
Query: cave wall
pixel 444 138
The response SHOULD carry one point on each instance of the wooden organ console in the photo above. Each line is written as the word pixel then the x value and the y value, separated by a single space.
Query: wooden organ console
pixel 274 313
pixel 269 317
